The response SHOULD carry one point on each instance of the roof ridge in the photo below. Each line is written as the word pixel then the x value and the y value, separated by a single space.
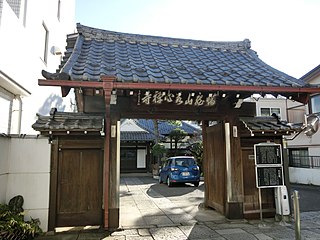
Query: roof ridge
pixel 101 34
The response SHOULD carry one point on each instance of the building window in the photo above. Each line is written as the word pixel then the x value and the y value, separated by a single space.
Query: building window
pixel 45 40
pixel 59 9
pixel 299 157
pixel 269 111
pixel 315 104
pixel 15 6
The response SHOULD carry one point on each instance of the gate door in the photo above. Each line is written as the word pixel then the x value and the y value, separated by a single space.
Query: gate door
pixel 79 187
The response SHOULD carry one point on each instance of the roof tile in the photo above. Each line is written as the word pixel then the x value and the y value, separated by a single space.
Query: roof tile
pixel 141 58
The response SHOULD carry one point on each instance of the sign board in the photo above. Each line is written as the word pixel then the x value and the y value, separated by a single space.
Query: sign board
pixel 268 165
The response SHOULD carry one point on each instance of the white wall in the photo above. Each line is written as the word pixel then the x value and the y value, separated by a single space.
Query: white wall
pixel 4 167
pixel 316 80
pixel 302 141
pixel 304 176
pixel 290 110
pixel 28 174
pixel 21 55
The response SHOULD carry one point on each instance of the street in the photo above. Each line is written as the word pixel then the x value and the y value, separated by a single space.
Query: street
pixel 153 211
pixel 309 197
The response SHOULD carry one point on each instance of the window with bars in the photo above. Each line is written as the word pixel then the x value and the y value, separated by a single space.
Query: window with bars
pixel 299 157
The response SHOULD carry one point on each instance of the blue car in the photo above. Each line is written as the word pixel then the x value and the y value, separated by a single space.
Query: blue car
pixel 180 169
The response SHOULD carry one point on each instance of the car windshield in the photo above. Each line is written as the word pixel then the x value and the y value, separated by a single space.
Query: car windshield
pixel 184 162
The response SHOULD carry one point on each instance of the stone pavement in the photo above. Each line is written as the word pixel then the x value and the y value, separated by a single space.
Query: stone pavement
pixel 147 215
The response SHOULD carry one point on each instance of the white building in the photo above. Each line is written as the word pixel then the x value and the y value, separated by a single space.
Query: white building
pixel 303 150
pixel 32 38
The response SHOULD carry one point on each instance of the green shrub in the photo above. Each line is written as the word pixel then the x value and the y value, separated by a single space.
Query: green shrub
pixel 12 224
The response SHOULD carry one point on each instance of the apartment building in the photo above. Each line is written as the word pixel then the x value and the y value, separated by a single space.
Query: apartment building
pixel 32 39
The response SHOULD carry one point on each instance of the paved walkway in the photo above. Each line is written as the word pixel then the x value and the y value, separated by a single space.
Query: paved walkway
pixel 147 215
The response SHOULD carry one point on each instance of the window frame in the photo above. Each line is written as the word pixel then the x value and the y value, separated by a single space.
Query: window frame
pixel 312 103
pixel 270 110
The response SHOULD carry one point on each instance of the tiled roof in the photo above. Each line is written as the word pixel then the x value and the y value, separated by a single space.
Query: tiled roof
pixel 269 125
pixel 137 136
pixel 66 121
pixel 166 127
pixel 93 53
pixel 148 135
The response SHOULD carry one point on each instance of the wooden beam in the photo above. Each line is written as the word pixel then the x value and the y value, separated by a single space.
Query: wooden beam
pixel 178 87
pixel 69 83
pixel 203 87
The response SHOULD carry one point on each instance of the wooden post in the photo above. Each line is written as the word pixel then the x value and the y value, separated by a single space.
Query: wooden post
pixel 205 168
pixel 234 175
pixel 114 197
pixel 107 87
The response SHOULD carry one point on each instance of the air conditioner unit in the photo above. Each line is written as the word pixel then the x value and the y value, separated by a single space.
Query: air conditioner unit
pixel 282 200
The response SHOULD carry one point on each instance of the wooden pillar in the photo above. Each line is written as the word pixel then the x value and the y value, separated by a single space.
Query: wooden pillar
pixel 114 180
pixel 107 87
pixel 205 166
pixel 234 175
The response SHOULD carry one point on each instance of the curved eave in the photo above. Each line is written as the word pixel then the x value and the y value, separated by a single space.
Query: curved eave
pixel 170 86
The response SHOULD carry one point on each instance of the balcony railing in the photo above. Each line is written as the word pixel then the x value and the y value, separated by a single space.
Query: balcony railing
pixel 304 162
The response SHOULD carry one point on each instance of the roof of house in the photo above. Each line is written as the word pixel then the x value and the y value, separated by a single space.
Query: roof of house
pixel 92 53
pixel 311 74
pixel 130 129
pixel 269 125
pixel 137 136
pixel 165 127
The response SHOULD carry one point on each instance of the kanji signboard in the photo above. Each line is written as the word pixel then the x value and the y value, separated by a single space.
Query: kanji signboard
pixel 268 165
pixel 177 98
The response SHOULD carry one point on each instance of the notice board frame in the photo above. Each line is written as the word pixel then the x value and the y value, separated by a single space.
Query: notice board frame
pixel 268 165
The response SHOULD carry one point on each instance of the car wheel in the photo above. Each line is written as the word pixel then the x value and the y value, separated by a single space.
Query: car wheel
pixel 169 183
pixel 160 181
pixel 196 184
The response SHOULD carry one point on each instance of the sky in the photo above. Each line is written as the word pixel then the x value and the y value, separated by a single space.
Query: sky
pixel 284 33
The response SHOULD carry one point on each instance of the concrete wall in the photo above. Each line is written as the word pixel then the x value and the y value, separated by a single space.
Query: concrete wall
pixel 4 167
pixel 27 161
pixel 304 176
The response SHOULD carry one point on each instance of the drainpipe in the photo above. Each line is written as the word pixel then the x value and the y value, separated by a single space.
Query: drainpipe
pixel 10 117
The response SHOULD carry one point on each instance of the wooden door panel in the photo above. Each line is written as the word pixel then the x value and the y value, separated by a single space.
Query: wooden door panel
pixel 79 193
pixel 216 167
